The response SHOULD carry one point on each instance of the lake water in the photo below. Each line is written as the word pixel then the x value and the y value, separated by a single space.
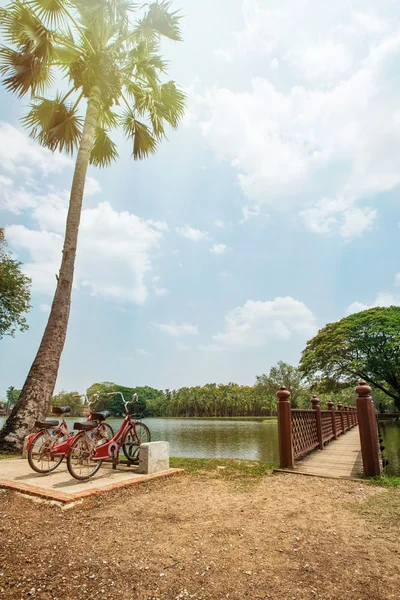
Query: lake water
pixel 391 440
pixel 208 438
pixel 252 440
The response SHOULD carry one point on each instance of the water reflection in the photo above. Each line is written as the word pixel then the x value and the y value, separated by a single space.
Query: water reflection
pixel 391 441
pixel 202 438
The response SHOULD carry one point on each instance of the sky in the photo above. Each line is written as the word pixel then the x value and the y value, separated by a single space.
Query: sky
pixel 273 210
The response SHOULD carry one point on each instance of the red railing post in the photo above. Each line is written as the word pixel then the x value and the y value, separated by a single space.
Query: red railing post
pixel 285 429
pixel 332 409
pixel 368 430
pixel 317 408
pixel 340 409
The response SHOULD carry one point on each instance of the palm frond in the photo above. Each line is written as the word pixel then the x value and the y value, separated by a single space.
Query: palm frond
pixel 54 124
pixel 173 101
pixel 144 143
pixel 65 53
pixel 22 27
pixel 140 63
pixel 23 72
pixel 108 118
pixel 165 23
pixel 51 11
pixel 104 150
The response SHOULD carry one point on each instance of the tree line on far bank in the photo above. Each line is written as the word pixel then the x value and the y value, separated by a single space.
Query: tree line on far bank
pixel 210 400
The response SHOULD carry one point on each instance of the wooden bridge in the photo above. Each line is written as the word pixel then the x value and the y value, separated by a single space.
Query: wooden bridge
pixel 337 442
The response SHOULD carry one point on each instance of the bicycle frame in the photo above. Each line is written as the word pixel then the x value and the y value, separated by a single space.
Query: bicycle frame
pixel 111 449
pixel 58 432
pixel 64 448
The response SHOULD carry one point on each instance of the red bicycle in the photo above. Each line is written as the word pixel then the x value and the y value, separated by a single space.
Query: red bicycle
pixel 47 447
pixel 85 455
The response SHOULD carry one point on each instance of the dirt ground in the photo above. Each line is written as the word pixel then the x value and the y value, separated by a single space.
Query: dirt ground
pixel 284 537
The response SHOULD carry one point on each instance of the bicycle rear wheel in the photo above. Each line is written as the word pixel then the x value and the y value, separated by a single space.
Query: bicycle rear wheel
pixel 40 458
pixel 80 461
pixel 139 434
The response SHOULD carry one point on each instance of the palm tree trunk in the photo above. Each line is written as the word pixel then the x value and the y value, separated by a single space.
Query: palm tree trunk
pixel 35 398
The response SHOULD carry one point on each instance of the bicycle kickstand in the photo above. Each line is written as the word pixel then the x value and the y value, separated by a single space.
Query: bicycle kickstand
pixel 114 460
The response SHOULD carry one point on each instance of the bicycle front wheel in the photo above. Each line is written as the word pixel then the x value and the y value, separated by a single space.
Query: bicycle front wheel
pixel 40 458
pixel 139 434
pixel 80 461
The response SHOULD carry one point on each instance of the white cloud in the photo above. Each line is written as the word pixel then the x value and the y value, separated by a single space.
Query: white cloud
pixel 383 299
pixel 114 255
pixel 219 223
pixel 195 235
pixel 143 352
pixel 17 151
pixel 326 140
pixel 352 221
pixel 45 308
pixel 157 289
pixel 257 323
pixel 274 64
pixel 219 249
pixel 92 186
pixel 177 329
pixel 210 348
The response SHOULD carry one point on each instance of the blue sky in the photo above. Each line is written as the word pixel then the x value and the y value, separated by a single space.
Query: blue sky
pixel 272 211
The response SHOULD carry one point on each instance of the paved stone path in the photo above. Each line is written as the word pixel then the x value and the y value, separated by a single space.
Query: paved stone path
pixel 340 458
pixel 17 475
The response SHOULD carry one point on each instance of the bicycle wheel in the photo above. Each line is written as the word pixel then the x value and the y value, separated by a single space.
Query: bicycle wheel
pixel 40 458
pixel 79 461
pixel 108 431
pixel 132 442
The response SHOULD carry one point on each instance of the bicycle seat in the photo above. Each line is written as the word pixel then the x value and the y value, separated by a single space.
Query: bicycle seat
pixel 87 426
pixel 61 410
pixel 46 424
pixel 100 416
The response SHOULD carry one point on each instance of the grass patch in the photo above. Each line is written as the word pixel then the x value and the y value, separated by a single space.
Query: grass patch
pixel 232 469
pixel 385 480
pixel 4 456
pixel 384 507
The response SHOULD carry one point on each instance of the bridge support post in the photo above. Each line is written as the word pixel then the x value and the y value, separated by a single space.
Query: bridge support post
pixel 340 409
pixel 368 430
pixel 317 408
pixel 285 429
pixel 332 409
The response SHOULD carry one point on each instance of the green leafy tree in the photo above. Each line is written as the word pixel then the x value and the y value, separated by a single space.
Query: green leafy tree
pixel 71 399
pixel 15 293
pixel 109 52
pixel 12 396
pixel 290 377
pixel 365 344
pixel 148 398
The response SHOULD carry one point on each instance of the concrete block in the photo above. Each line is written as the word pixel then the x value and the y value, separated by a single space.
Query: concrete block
pixel 24 451
pixel 153 457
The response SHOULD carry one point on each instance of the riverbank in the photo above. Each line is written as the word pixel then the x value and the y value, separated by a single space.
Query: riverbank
pixel 237 533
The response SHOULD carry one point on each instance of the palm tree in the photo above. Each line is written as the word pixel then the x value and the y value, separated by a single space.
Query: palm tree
pixel 108 51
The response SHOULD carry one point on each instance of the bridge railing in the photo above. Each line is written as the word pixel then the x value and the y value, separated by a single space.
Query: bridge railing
pixel 301 431
pixel 304 430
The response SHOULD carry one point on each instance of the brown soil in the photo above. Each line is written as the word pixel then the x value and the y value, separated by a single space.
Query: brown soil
pixel 285 537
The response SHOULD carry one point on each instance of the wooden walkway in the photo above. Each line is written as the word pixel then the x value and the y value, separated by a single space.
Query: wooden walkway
pixel 340 458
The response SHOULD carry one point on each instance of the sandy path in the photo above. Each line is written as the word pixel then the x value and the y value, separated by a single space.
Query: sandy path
pixel 285 537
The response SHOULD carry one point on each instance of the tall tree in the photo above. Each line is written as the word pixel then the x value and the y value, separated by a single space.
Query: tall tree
pixel 287 375
pixel 109 53
pixel 365 344
pixel 15 293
